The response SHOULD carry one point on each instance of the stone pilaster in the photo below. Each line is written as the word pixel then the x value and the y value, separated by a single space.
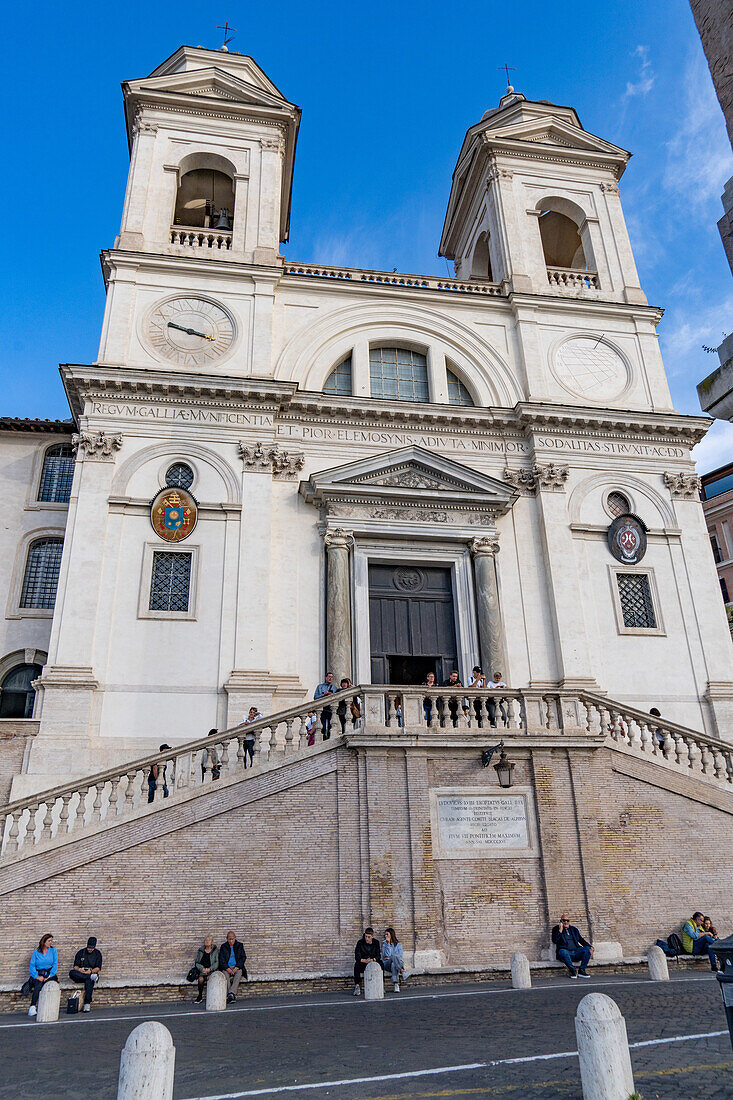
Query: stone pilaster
pixel 490 625
pixel 338 604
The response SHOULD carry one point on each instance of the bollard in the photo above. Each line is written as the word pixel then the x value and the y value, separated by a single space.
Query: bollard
pixel 49 1000
pixel 216 992
pixel 658 969
pixel 147 1064
pixel 373 982
pixel 521 977
pixel 603 1049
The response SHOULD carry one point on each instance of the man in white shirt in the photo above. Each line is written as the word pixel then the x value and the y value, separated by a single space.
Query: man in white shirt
pixel 497 682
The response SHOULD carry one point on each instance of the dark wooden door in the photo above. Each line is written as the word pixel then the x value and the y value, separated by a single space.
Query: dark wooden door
pixel 411 616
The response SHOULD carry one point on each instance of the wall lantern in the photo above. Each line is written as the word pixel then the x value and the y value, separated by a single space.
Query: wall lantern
pixel 504 768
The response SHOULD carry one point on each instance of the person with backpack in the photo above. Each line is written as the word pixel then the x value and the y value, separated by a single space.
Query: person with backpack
pixel 696 941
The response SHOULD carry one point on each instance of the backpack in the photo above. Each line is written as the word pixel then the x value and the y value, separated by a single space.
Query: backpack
pixel 675 944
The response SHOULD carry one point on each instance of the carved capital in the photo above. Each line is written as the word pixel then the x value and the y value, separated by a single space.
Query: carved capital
pixel 272 145
pixel 550 477
pixel 486 545
pixel 283 465
pixel 255 457
pixel 140 126
pixel 610 188
pixel 96 446
pixel 521 479
pixel 686 486
pixel 338 539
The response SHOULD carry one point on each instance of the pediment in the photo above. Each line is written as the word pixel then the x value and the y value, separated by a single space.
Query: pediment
pixel 553 131
pixel 212 83
pixel 410 475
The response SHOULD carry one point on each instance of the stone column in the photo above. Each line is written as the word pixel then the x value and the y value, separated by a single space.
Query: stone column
pixel 338 604
pixel 490 626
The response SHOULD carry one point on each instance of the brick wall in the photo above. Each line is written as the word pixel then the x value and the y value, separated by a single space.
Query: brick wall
pixel 629 847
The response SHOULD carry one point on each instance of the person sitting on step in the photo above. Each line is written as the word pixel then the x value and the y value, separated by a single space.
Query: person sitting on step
pixel 366 951
pixel 392 957
pixel 696 941
pixel 570 947
pixel 207 961
pixel 86 968
pixel 232 957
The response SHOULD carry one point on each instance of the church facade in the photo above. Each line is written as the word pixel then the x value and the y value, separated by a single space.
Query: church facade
pixel 276 469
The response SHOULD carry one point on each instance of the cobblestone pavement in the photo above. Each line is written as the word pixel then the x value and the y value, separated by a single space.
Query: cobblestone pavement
pixel 390 1050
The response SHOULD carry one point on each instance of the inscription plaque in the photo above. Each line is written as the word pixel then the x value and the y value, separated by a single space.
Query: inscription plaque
pixel 471 823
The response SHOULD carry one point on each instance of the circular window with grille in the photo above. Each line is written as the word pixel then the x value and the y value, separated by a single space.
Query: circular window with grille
pixel 179 476
pixel 617 504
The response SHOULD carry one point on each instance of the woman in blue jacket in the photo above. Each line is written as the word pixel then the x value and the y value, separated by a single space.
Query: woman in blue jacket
pixel 392 957
pixel 43 968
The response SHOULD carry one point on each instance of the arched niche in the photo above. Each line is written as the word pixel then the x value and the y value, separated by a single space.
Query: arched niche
pixel 205 192
pixel 481 259
pixel 564 234
pixel 162 455
pixel 588 501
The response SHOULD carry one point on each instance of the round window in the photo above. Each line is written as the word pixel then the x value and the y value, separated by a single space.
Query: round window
pixel 179 476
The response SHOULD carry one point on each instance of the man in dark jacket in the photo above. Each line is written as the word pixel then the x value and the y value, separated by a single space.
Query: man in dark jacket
pixel 87 964
pixel 231 960
pixel 366 950
pixel 570 947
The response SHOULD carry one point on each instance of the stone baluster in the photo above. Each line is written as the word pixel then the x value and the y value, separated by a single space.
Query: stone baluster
pixel 224 759
pixel 648 740
pixel 669 749
pixel 490 625
pixel 721 771
pixel 114 807
pixel 12 844
pixel 240 753
pixel 432 713
pixel 338 603
pixel 47 822
pixel 693 754
pixel 681 753
pixel 143 788
pixel 706 759
pixel 289 747
pixel 96 813
pixel 130 791
pixel 64 815
pixel 81 809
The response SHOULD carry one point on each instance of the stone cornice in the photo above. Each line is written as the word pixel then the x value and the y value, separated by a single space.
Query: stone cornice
pixel 164 262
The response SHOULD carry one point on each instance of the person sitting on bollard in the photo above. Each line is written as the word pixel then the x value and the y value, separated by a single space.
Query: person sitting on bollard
pixel 232 957
pixel 43 967
pixel 570 947
pixel 392 957
pixel 207 961
pixel 86 968
pixel 366 950
pixel 696 941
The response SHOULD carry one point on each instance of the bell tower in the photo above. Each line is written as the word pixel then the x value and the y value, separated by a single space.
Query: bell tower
pixel 535 205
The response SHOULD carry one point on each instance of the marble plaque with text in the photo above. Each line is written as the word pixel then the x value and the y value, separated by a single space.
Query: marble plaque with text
pixel 475 823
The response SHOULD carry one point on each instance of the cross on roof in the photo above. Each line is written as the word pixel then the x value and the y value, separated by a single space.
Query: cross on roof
pixel 228 32
pixel 508 69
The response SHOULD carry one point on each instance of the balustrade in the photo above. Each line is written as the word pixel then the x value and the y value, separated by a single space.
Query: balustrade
pixel 567 279
pixel 213 239
pixel 387 278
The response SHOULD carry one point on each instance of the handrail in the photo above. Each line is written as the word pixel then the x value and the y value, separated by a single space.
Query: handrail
pixel 655 720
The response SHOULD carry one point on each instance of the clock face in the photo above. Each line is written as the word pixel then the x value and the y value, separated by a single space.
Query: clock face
pixel 591 367
pixel 190 331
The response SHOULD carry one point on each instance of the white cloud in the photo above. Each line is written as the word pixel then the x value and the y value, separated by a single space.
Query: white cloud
pixel 684 331
pixel 645 81
pixel 699 159
pixel 716 448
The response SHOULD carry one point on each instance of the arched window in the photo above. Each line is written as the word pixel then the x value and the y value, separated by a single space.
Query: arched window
pixel 179 476
pixel 398 373
pixel 57 474
pixel 205 199
pixel 457 392
pixel 561 241
pixel 339 380
pixel 41 576
pixel 481 263
pixel 17 695
pixel 618 504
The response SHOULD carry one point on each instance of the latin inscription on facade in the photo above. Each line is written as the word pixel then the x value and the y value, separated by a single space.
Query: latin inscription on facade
pixel 473 823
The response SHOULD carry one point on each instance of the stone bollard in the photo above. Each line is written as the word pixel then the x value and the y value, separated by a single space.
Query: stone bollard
pixel 603 1049
pixel 521 977
pixel 373 982
pixel 147 1064
pixel 216 992
pixel 658 969
pixel 49 1000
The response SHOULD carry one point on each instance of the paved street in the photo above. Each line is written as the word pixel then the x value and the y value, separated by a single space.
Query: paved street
pixel 458 1041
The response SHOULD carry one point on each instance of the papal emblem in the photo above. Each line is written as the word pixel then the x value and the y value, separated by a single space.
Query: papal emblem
pixel 627 539
pixel 173 514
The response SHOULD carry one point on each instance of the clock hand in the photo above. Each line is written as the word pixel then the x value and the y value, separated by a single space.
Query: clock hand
pixel 190 331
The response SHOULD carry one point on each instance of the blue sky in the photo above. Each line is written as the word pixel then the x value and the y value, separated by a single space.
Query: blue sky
pixel 388 91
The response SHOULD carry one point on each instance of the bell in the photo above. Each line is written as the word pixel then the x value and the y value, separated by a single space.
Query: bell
pixel 224 222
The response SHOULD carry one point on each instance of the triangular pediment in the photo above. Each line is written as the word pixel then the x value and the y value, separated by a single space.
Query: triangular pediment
pixel 410 474
pixel 552 131
pixel 213 83
pixel 189 60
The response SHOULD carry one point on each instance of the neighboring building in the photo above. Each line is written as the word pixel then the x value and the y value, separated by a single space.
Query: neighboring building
pixel 717 498
pixel 350 449
pixel 714 20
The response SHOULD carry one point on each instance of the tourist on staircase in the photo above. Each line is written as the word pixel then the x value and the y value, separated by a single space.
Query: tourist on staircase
pixel 453 681
pixel 253 715
pixel 86 968
pixel 210 755
pixel 392 957
pixel 207 961
pixel 326 688
pixel 153 777
pixel 352 705
pixel 427 706
pixel 44 967
pixel 366 950
pixel 570 947
pixel 232 957
pixel 497 682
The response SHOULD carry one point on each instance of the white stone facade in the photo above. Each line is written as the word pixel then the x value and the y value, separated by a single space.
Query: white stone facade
pixel 570 404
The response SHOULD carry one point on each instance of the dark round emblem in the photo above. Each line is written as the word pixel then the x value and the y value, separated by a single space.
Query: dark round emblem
pixel 409 580
pixel 173 514
pixel 627 539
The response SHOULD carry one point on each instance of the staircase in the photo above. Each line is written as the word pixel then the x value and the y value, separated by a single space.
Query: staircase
pixel 388 715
